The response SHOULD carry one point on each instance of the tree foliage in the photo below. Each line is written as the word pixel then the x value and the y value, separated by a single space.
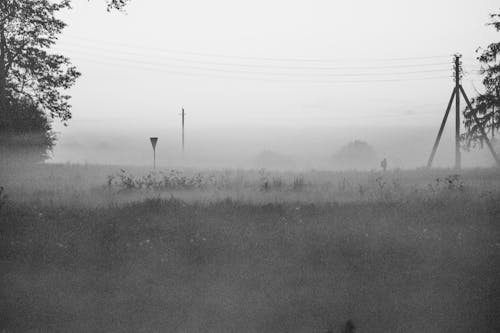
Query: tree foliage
pixel 25 133
pixel 116 4
pixel 356 155
pixel 32 79
pixel 28 28
pixel 487 104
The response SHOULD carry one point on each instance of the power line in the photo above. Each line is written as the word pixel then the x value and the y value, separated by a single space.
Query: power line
pixel 274 66
pixel 226 76
pixel 81 48
pixel 231 70
pixel 288 74
pixel 215 55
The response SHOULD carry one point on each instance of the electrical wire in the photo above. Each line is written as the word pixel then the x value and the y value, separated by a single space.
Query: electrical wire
pixel 226 76
pixel 81 48
pixel 80 38
pixel 238 71
pixel 285 70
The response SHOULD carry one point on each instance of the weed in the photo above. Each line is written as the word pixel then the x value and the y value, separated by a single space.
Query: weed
pixel 451 183
pixel 381 183
pixel 361 191
pixel 3 197
pixel 454 182
pixel 298 183
pixel 173 180
pixel 278 183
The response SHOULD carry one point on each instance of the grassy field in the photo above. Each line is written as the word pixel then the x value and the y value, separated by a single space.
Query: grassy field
pixel 248 251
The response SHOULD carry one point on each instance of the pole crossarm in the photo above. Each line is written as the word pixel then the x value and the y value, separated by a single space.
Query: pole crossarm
pixel 473 112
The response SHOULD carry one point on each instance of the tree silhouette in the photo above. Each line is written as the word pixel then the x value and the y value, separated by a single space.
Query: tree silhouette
pixel 25 133
pixel 486 105
pixel 28 28
pixel 33 80
pixel 355 155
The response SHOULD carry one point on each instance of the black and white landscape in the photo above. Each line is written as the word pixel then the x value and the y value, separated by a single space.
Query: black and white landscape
pixel 259 166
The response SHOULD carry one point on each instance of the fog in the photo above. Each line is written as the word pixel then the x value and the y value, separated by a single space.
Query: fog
pixel 296 78
pixel 240 147
pixel 278 214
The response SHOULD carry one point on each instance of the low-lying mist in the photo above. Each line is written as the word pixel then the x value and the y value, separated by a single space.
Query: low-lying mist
pixel 267 147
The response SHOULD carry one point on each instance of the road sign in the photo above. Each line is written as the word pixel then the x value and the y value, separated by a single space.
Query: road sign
pixel 153 142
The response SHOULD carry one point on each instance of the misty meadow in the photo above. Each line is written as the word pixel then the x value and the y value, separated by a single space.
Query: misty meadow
pixel 84 249
pixel 264 166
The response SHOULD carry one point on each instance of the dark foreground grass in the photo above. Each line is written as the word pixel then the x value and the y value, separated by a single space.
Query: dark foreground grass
pixel 167 266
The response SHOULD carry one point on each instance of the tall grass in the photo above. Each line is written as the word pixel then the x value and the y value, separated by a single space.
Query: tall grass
pixel 226 266
pixel 102 185
pixel 219 251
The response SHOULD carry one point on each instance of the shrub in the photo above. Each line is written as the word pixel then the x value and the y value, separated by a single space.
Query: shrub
pixel 25 133
pixel 173 180
pixel 355 155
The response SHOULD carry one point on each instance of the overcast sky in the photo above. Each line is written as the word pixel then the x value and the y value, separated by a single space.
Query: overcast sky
pixel 253 65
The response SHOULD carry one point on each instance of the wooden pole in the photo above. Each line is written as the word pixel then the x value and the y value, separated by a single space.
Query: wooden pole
pixel 183 130
pixel 481 128
pixel 458 157
pixel 438 138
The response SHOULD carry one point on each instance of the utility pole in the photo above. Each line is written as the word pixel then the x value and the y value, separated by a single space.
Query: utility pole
pixel 458 70
pixel 183 114
pixel 457 91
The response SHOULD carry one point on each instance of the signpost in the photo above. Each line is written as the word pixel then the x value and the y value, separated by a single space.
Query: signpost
pixel 154 140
